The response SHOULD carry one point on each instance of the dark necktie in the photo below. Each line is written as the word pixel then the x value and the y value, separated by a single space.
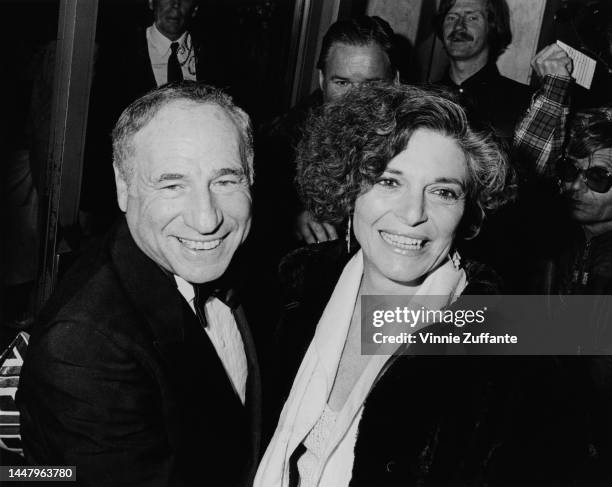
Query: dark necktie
pixel 202 293
pixel 175 74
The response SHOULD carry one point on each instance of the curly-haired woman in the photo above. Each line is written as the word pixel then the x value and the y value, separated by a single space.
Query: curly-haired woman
pixel 400 166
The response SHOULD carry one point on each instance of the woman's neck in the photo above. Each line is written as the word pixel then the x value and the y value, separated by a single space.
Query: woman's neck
pixel 376 284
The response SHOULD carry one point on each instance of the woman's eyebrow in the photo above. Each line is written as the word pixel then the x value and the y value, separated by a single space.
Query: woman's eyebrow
pixel 437 180
pixel 450 180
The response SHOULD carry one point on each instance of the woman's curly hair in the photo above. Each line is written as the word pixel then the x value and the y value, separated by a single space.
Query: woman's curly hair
pixel 348 143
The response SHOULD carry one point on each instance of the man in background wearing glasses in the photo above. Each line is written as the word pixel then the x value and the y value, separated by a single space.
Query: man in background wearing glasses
pixel 585 179
pixel 581 162
pixel 474 34
pixel 579 255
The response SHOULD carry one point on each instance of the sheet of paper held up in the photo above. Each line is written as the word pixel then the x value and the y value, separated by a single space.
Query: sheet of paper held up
pixel 584 66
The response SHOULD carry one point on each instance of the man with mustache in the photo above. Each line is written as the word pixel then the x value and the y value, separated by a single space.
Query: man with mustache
pixel 475 33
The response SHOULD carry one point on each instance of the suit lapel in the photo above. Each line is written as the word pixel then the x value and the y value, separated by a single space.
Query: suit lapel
pixel 195 372
pixel 148 286
pixel 253 386
pixel 146 70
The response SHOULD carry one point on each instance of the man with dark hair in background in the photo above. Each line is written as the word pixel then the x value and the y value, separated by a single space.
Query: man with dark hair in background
pixel 141 369
pixel 475 33
pixel 354 51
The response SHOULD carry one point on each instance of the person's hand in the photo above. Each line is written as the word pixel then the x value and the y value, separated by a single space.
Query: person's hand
pixel 552 60
pixel 312 231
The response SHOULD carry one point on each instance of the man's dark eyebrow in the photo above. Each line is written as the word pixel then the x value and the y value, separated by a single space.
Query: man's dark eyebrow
pixel 226 171
pixel 170 177
pixel 467 12
pixel 221 172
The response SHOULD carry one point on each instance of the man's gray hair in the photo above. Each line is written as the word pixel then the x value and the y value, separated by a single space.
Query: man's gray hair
pixel 142 111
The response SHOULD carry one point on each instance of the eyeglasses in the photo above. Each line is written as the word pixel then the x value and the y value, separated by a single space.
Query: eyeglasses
pixel 597 178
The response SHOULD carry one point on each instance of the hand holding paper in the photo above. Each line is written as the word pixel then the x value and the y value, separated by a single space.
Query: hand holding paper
pixel 584 66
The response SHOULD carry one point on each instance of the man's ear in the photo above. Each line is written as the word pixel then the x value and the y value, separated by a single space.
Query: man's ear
pixel 321 79
pixel 122 189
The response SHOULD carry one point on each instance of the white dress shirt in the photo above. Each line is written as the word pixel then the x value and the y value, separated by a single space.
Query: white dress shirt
pixel 224 335
pixel 159 52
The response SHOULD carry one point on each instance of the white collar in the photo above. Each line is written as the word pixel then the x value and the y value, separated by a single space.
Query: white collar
pixel 185 288
pixel 160 42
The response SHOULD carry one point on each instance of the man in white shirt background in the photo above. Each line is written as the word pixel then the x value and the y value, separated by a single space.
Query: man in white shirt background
pixel 168 41
pixel 131 62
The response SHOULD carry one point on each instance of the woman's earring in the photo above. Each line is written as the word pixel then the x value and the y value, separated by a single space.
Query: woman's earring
pixel 348 235
pixel 456 260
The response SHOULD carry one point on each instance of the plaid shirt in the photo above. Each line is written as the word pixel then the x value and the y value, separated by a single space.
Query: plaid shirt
pixel 539 136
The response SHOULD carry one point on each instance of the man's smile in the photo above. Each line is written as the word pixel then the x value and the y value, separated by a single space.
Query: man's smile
pixel 200 244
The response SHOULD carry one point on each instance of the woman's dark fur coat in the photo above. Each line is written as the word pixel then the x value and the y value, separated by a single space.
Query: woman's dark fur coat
pixel 437 420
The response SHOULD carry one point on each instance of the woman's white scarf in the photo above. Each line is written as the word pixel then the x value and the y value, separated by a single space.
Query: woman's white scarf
pixel 315 377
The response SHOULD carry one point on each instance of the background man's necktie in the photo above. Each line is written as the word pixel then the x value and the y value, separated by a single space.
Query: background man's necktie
pixel 175 73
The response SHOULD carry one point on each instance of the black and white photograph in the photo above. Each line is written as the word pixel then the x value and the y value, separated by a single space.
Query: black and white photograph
pixel 306 243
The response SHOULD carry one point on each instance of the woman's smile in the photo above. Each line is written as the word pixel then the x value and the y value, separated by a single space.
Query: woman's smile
pixel 406 222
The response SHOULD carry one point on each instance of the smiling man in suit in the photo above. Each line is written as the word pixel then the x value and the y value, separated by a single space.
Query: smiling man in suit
pixel 142 369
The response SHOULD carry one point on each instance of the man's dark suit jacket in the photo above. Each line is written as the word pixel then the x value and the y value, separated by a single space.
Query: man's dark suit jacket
pixel 491 99
pixel 121 380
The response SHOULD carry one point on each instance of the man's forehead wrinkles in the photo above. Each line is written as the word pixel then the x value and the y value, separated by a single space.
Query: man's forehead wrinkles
pixel 183 168
pixel 167 139
pixel 175 110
